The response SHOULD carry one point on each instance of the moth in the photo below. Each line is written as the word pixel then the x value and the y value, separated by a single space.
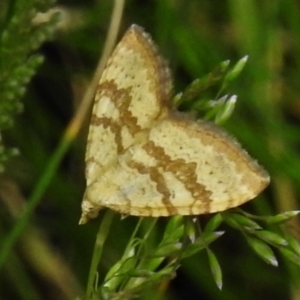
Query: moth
pixel 143 158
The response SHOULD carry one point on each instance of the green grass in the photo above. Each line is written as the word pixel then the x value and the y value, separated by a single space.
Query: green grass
pixel 41 246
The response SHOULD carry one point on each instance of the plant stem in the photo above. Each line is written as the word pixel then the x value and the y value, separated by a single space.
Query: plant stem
pixel 68 137
pixel 100 240
pixel 33 201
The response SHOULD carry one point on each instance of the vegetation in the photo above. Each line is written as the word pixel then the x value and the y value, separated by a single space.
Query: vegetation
pixel 46 62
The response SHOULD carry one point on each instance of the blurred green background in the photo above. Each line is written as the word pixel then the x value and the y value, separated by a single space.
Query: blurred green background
pixel 52 258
